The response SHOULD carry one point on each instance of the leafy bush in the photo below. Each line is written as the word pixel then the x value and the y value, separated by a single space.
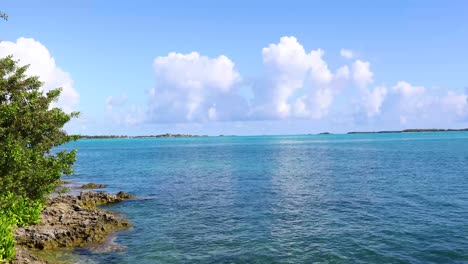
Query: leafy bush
pixel 20 211
pixel 29 129
pixel 7 241
pixel 15 212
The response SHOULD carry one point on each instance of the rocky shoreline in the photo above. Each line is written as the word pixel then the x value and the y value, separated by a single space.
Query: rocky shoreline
pixel 70 221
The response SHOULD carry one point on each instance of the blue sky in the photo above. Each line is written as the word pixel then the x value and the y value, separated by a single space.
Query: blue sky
pixel 258 68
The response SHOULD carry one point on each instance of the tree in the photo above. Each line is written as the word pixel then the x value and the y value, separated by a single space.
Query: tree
pixel 30 169
pixel 29 130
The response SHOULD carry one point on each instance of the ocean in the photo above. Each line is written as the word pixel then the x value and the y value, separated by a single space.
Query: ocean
pixel 361 198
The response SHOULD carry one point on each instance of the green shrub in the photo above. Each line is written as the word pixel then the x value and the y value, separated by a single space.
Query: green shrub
pixel 30 127
pixel 20 211
pixel 15 211
pixel 7 241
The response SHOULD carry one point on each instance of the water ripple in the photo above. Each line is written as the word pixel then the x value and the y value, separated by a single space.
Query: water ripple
pixel 304 199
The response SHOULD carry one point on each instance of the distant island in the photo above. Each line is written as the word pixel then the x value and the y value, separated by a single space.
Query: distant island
pixel 410 131
pixel 167 135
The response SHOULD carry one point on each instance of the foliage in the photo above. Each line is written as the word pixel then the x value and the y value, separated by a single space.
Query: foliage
pixel 15 212
pixel 29 129
pixel 29 167
pixel 7 241
pixel 3 16
pixel 20 211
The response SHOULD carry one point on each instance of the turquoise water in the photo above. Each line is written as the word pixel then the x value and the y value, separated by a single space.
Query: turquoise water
pixel 375 198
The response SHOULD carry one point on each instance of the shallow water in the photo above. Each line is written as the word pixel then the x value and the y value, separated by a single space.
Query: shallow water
pixel 368 198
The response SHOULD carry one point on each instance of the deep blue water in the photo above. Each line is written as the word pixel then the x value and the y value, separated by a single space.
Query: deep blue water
pixel 370 198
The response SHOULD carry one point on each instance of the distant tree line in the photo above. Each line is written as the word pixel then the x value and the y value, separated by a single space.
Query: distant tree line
pixel 167 135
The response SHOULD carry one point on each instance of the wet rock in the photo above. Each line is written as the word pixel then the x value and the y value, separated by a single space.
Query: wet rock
pixel 24 256
pixel 93 185
pixel 124 196
pixel 93 199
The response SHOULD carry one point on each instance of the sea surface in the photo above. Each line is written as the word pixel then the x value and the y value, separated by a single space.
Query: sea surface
pixel 365 198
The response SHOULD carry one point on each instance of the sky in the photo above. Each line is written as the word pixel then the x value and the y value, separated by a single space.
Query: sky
pixel 246 68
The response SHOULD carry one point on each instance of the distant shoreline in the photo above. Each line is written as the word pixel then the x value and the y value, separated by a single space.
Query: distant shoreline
pixel 167 135
pixel 149 136
pixel 409 131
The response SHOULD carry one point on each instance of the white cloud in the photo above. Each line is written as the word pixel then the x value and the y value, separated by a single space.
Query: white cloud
pixel 297 83
pixel 42 64
pixel 411 99
pixel 407 90
pixel 347 53
pixel 115 101
pixel 314 105
pixel 420 105
pixel 455 103
pixel 289 59
pixel 373 100
pixel 212 115
pixel 195 72
pixel 188 87
pixel 343 73
pixel 362 75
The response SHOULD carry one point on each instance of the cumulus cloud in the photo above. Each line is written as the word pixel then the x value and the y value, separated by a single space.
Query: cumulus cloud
pixel 412 100
pixel 347 53
pixel 415 104
pixel 42 64
pixel 407 90
pixel 190 87
pixel 296 84
pixel 362 75
pixel 373 100
pixel 455 103
pixel 195 72
pixel 314 105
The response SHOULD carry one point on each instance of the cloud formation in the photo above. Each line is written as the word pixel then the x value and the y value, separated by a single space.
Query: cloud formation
pixel 347 53
pixel 362 75
pixel 415 104
pixel 373 100
pixel 296 84
pixel 192 87
pixel 42 64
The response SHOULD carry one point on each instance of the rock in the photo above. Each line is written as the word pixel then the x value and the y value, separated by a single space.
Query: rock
pixel 61 182
pixel 24 256
pixel 93 185
pixel 93 199
pixel 124 196
pixel 73 221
